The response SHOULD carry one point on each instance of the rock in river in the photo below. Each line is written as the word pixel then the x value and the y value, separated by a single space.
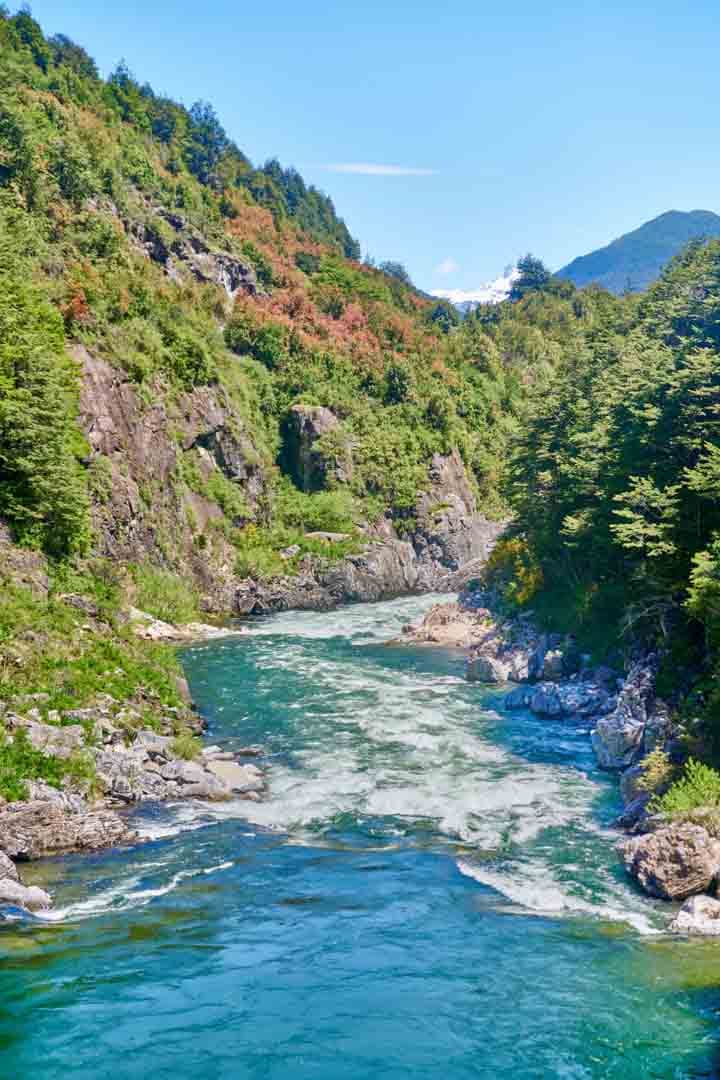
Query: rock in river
pixel 32 829
pixel 675 862
pixel 698 915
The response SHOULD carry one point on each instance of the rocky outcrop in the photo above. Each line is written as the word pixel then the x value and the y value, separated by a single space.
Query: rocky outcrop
pixel 130 764
pixel 30 830
pixel 636 725
pixel 311 464
pixel 450 530
pixel 168 238
pixel 699 915
pixel 143 511
pixel 449 625
pixel 674 862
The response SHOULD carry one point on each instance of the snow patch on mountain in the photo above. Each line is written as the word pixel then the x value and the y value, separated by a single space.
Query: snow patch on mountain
pixel 492 292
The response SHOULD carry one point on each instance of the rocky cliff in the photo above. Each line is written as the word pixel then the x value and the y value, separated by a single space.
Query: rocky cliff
pixel 144 448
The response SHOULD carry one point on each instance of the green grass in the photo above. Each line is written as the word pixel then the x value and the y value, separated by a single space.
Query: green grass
pixel 186 746
pixel 21 762
pixel 44 649
pixel 165 595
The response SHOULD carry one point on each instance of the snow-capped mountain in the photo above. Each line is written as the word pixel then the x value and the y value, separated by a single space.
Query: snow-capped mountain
pixel 492 292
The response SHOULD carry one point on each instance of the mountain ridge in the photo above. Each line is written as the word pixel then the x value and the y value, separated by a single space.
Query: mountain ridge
pixel 635 259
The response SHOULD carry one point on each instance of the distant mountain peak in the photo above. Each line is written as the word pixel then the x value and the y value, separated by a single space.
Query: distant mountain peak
pixel 492 292
pixel 633 261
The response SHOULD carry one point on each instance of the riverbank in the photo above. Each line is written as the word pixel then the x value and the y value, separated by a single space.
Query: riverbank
pixel 95 719
pixel 672 858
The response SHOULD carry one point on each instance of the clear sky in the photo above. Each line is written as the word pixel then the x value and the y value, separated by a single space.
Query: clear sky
pixel 549 127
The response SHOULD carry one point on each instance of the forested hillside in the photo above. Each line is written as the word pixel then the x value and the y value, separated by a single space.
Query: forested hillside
pixel 165 307
pixel 615 484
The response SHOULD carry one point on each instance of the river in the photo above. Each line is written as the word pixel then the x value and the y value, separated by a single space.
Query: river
pixel 430 890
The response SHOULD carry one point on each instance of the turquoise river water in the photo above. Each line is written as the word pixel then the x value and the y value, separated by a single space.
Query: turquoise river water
pixel 430 891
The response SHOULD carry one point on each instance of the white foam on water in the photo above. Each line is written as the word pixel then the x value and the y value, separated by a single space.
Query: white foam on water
pixel 533 888
pixel 373 622
pixel 124 895
pixel 405 752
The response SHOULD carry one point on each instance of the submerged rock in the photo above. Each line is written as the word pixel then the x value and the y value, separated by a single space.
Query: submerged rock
pixel 698 915
pixel 675 862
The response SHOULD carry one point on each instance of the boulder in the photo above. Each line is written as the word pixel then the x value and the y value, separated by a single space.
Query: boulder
pixel 634 817
pixel 183 772
pixel 552 668
pixel 26 896
pixel 698 915
pixel 158 747
pixel 617 741
pixel 675 862
pixel 618 738
pixel 487 669
pixel 8 868
pixel 449 624
pixel 546 701
pixel 238 778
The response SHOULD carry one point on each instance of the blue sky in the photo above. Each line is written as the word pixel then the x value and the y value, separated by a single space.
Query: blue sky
pixel 529 126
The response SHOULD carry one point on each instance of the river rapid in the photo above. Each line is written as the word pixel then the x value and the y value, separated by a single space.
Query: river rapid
pixel 430 890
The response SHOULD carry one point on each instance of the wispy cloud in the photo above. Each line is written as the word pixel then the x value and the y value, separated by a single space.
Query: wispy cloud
pixel 447 266
pixel 366 168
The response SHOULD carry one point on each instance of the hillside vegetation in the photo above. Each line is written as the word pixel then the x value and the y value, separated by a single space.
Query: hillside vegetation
pixel 615 484
pixel 149 268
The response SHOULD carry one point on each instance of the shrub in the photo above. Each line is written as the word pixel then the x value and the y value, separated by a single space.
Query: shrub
pixel 186 746
pixel 657 771
pixel 698 787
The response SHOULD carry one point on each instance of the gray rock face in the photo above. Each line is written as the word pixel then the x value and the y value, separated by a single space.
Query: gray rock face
pixel 487 669
pixel 33 829
pixel 305 426
pixel 8 868
pixel 658 727
pixel 546 701
pixel 675 862
pixel 618 738
pixel 451 532
pixel 630 784
pixel 698 915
